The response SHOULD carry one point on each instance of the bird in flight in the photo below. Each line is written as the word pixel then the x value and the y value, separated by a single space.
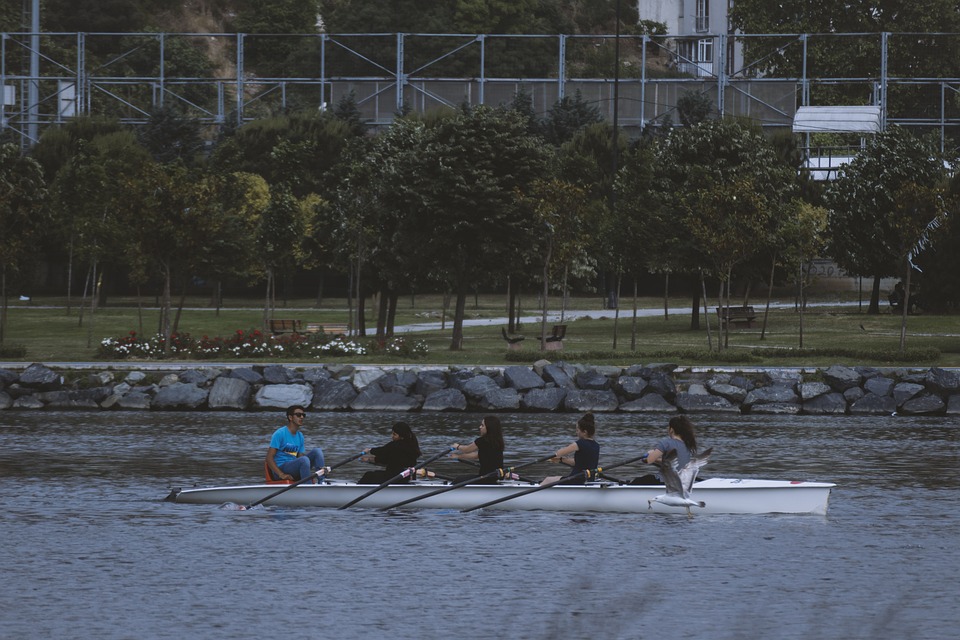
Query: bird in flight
pixel 679 483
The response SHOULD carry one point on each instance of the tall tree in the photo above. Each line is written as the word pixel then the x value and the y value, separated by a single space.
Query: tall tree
pixel 869 227
pixel 22 194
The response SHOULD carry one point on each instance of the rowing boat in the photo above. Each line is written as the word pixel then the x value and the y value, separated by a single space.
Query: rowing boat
pixel 721 495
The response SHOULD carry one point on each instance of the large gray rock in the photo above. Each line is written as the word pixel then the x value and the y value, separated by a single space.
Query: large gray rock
pixel 662 384
pixel 906 390
pixel 700 403
pixel 728 391
pixel 445 400
pixel 925 404
pixel 631 387
pixel 811 390
pixel 831 403
pixel 429 382
pixel 953 405
pixel 313 375
pixel 247 374
pixel 880 385
pixel 134 377
pixel 774 394
pixel 180 396
pixel 134 401
pixel 593 380
pixel 853 394
pixel 229 393
pixel 398 382
pixel 363 378
pixel 559 375
pixel 281 396
pixel 478 386
pixel 652 369
pixel 650 403
pixel 937 380
pixel 522 378
pixel 8 377
pixel 198 377
pixel 499 400
pixel 277 374
pixel 97 394
pixel 873 405
pixel 59 398
pixel 38 376
pixel 374 399
pixel 842 378
pixel 591 400
pixel 27 402
pixel 5 400
pixel 544 399
pixel 332 395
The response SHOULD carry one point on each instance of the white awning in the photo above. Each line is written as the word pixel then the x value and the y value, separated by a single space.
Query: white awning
pixel 837 119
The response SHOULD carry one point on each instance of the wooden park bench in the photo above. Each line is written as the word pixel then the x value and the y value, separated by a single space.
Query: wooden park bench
pixel 555 339
pixel 736 315
pixel 513 341
pixel 285 326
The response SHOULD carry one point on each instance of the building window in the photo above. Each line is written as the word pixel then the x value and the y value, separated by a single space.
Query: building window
pixel 702 16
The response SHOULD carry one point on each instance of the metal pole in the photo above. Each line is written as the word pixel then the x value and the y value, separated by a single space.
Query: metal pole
pixel 33 86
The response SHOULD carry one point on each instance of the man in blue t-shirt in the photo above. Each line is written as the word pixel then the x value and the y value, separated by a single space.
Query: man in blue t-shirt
pixel 286 457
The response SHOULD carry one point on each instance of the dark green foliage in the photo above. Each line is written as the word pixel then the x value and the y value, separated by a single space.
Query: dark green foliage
pixel 693 108
pixel 170 136
pixel 567 116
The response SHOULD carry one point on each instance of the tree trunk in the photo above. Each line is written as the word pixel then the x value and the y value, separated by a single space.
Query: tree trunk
pixel 456 341
pixel 139 312
pixel 546 289
pixel 695 307
pixel 633 325
pixel 904 311
pixel 800 287
pixel 319 290
pixel 94 295
pixel 563 303
pixel 165 307
pixel 183 301
pixel 766 311
pixel 616 314
pixel 666 295
pixel 70 278
pixel 392 303
pixel 706 311
pixel 382 315
pixel 3 303
pixel 874 308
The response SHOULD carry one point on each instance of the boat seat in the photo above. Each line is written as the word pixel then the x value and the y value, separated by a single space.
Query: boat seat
pixel 268 477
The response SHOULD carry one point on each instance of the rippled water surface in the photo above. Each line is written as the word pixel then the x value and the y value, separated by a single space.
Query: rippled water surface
pixel 90 549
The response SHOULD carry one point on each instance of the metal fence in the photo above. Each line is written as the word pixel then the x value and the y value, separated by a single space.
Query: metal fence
pixel 229 79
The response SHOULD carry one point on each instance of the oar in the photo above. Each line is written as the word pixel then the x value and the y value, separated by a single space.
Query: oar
pixel 502 473
pixel 477 464
pixel 403 474
pixel 605 476
pixel 316 474
pixel 587 472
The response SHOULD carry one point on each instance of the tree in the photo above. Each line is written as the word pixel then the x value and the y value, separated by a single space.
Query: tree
pixel 870 230
pixel 567 116
pixel 718 182
pixel 22 194
pixel 471 174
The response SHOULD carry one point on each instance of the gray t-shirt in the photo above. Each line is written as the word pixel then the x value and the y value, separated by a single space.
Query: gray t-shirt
pixel 669 444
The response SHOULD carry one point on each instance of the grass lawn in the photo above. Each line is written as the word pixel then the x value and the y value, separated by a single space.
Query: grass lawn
pixel 832 334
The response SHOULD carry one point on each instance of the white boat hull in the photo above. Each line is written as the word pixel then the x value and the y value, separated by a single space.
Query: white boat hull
pixel 721 495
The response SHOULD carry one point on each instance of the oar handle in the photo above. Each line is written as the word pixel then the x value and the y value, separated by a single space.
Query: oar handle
pixel 405 473
pixel 319 473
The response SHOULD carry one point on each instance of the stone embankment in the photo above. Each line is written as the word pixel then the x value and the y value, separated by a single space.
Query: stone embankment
pixel 544 387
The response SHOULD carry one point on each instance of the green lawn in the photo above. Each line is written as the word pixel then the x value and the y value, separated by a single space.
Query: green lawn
pixel 831 334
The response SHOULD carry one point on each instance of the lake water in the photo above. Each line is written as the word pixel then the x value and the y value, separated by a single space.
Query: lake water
pixel 91 550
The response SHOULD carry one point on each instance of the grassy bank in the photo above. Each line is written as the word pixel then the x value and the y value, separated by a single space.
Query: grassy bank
pixel 832 334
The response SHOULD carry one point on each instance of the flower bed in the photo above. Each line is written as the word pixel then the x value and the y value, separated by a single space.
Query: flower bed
pixel 254 344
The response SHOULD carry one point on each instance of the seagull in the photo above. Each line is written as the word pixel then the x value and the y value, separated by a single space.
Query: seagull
pixel 679 484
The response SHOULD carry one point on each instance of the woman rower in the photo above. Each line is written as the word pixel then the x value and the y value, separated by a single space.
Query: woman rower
pixel 400 453
pixel 680 438
pixel 487 450
pixel 585 450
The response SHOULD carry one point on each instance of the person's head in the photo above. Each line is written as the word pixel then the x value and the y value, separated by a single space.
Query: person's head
pixel 491 430
pixel 587 425
pixel 402 431
pixel 681 427
pixel 295 415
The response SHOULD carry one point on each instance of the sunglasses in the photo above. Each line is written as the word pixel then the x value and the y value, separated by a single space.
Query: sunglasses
pixel 300 415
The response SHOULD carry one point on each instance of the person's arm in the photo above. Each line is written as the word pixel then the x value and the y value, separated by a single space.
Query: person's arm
pixel 465 451
pixel 272 465
pixel 565 451
pixel 654 455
